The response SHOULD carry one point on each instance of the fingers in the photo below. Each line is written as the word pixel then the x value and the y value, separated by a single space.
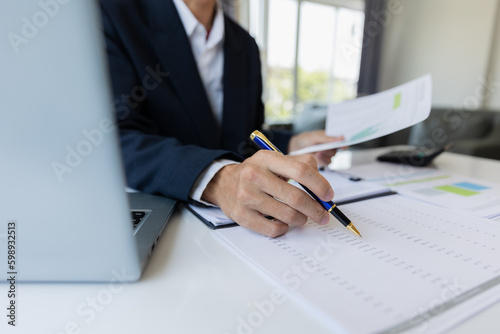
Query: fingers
pixel 255 221
pixel 264 200
pixel 293 206
pixel 258 187
pixel 299 205
pixel 324 158
pixel 309 138
pixel 313 138
pixel 300 201
pixel 320 137
pixel 302 169
pixel 276 197
pixel 307 159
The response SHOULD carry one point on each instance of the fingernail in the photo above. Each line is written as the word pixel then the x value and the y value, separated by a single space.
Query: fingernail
pixel 325 220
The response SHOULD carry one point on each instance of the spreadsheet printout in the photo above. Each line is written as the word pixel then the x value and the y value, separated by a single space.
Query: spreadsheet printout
pixel 414 262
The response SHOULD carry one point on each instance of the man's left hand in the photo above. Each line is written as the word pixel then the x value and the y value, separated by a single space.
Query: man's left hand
pixel 316 137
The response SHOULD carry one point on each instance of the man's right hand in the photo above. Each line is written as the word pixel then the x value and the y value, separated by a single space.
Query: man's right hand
pixel 258 187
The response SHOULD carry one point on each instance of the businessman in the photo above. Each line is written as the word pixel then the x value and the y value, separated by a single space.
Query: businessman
pixel 187 92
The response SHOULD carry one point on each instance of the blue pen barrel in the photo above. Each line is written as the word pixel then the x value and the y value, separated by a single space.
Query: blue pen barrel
pixel 326 205
pixel 262 144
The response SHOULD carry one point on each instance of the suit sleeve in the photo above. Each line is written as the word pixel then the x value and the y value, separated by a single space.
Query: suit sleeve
pixel 153 163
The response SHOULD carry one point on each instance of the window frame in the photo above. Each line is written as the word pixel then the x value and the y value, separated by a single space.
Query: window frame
pixel 262 31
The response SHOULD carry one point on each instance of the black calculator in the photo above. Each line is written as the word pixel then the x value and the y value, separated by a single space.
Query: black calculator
pixel 416 157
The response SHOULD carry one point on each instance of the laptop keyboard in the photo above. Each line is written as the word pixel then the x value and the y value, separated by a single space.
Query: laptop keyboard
pixel 137 217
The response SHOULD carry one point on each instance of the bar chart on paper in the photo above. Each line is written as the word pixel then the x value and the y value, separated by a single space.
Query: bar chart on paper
pixel 376 115
pixel 394 276
pixel 366 133
pixel 463 188
pixel 455 192
pixel 478 197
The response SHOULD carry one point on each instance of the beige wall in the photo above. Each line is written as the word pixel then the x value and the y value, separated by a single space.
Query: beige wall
pixel 494 100
pixel 454 40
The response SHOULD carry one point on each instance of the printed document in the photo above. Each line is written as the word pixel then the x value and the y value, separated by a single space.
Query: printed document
pixel 377 115
pixel 457 192
pixel 418 268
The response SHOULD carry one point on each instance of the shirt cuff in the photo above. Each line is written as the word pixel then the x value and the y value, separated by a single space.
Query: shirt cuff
pixel 205 177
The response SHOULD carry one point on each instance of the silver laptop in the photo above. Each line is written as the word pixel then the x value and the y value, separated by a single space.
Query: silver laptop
pixel 64 212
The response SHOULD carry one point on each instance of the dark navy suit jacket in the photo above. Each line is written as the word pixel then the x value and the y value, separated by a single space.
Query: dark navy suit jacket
pixel 168 132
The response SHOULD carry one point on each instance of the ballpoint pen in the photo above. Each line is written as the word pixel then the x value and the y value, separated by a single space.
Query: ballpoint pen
pixel 262 142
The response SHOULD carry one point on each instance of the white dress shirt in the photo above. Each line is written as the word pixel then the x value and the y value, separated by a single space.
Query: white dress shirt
pixel 208 51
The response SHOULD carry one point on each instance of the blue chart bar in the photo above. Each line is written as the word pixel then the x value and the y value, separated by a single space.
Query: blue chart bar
pixel 470 186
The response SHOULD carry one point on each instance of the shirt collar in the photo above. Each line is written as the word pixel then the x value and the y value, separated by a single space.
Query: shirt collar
pixel 190 22
pixel 217 33
pixel 187 18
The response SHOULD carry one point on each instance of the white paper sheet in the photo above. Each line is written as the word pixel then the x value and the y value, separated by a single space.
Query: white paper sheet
pixel 347 190
pixel 478 197
pixel 388 172
pixel 415 261
pixel 377 115
pixel 213 215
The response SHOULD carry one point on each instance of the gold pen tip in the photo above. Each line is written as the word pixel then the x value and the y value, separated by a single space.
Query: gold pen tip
pixel 354 229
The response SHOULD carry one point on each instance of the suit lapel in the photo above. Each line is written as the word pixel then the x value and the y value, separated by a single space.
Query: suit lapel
pixel 236 104
pixel 173 48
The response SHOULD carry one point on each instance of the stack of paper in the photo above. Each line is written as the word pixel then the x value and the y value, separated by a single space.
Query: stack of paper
pixel 213 217
pixel 436 187
pixel 418 267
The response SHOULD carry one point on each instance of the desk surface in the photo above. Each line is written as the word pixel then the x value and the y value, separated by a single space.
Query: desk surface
pixel 193 284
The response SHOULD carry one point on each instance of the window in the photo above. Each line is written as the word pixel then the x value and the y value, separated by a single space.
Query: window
pixel 307 52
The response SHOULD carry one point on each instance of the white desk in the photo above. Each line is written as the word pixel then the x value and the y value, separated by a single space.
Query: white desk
pixel 193 284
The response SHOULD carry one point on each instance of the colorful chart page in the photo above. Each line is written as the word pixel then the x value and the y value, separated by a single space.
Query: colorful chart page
pixel 452 191
pixel 377 115
pixel 478 197
pixel 415 263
